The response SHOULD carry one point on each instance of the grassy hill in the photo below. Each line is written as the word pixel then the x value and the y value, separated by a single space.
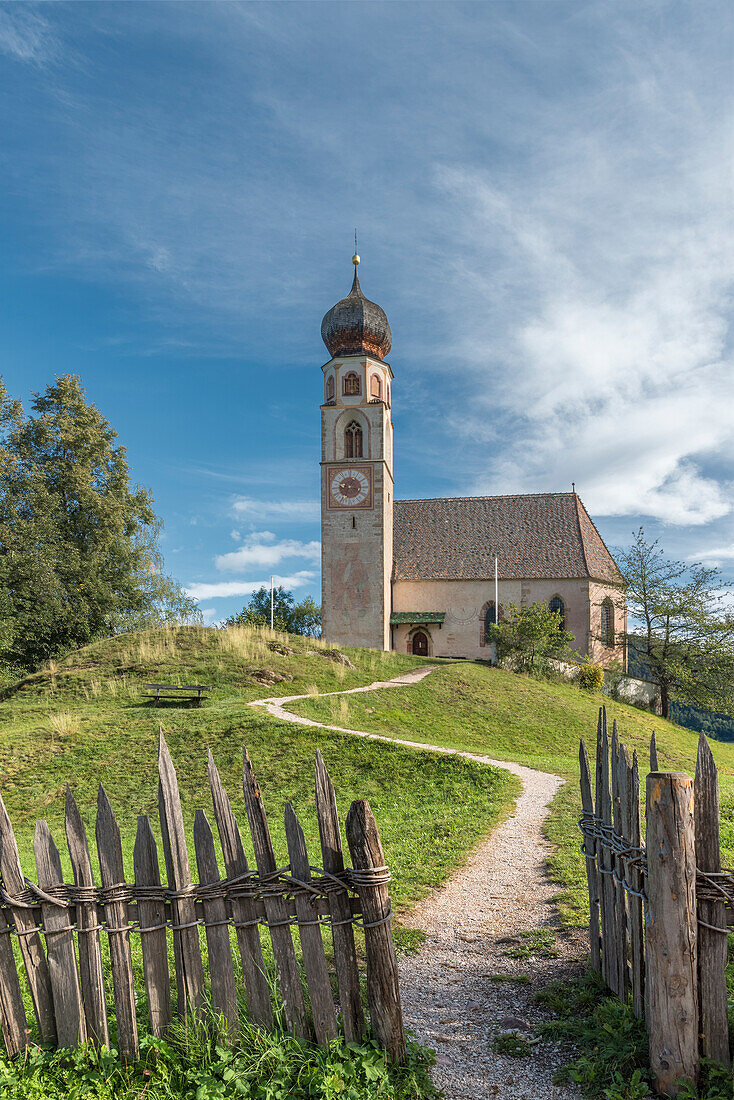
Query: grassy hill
pixel 85 720
pixel 510 717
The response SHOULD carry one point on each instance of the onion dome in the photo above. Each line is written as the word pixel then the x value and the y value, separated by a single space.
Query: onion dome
pixel 356 326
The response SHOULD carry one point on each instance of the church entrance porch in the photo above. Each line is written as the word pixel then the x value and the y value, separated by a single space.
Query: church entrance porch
pixel 420 644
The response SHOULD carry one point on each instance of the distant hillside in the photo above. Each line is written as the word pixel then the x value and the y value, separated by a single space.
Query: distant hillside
pixel 710 722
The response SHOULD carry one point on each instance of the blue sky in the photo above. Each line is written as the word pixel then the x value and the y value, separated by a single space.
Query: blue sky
pixel 543 193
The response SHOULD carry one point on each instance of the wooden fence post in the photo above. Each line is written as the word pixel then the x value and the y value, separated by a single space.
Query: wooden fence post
pixel 257 990
pixel 31 945
pixel 276 908
pixel 87 923
pixel 633 833
pixel 71 1027
pixel 184 923
pixel 117 921
pixel 592 875
pixel 712 945
pixel 13 1022
pixel 153 933
pixel 670 922
pixel 383 990
pixel 221 967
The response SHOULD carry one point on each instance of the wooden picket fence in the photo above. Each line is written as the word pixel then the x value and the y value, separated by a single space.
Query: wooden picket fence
pixel 66 979
pixel 659 912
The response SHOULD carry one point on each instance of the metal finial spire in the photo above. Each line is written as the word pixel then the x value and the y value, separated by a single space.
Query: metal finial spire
pixel 355 257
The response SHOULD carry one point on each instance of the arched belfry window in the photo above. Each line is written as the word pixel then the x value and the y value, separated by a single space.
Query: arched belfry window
pixel 330 388
pixel 353 440
pixel 607 622
pixel 376 387
pixel 557 604
pixel 352 385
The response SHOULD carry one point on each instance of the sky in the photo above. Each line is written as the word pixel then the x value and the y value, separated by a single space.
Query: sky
pixel 544 199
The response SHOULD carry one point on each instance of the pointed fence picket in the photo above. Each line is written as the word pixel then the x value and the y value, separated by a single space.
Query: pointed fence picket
pixel 66 980
pixel 659 914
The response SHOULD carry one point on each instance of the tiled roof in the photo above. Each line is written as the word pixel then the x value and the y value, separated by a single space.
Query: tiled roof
pixel 399 617
pixel 543 535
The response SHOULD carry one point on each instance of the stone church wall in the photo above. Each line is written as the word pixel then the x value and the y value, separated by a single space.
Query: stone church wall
pixel 464 603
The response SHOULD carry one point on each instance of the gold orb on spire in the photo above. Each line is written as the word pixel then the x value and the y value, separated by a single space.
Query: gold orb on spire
pixel 355 259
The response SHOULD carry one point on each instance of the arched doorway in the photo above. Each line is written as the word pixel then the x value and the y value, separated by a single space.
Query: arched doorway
pixel 420 644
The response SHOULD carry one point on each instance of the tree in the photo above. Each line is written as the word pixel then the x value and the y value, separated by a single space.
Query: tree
pixel 79 555
pixel 529 638
pixel 685 637
pixel 289 616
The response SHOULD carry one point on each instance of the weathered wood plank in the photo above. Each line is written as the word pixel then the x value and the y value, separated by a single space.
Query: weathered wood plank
pixel 87 922
pixel 153 935
pixel 221 968
pixel 653 753
pixel 592 878
pixel 275 907
pixel 619 781
pixel 670 925
pixel 635 878
pixel 312 946
pixel 604 812
pixel 13 1021
pixel 244 911
pixel 31 945
pixel 383 989
pixel 712 945
pixel 112 873
pixel 70 1024
pixel 342 931
pixel 186 950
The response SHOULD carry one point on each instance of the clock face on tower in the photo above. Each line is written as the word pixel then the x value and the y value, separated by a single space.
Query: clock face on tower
pixel 349 486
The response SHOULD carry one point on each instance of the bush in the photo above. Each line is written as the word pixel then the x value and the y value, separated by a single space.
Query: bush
pixel 529 639
pixel 590 676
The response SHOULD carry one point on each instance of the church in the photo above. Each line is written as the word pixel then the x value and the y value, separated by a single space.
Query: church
pixel 429 576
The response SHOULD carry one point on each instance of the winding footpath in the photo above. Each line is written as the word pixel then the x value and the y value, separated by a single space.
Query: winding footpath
pixel 463 988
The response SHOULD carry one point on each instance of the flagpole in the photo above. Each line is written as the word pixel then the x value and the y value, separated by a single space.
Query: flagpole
pixel 272 603
pixel 496 594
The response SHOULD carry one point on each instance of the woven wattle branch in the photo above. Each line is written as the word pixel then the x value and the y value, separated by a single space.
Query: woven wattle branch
pixel 252 885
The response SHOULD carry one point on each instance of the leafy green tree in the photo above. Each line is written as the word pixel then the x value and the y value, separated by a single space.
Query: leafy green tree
pixel 529 638
pixel 682 628
pixel 289 616
pixel 78 542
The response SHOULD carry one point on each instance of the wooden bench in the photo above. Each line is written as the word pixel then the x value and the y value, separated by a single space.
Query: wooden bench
pixel 175 691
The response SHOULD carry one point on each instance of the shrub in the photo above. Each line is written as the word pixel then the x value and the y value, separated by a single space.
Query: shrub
pixel 590 676
pixel 530 638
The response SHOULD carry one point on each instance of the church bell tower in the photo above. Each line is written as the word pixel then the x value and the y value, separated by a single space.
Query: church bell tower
pixel 356 474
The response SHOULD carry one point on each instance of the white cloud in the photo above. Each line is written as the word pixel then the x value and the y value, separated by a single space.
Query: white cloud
pixel 276 509
pixel 25 35
pixel 236 535
pixel 222 589
pixel 595 302
pixel 262 550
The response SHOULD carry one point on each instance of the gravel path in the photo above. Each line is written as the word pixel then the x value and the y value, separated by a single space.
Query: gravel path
pixel 462 989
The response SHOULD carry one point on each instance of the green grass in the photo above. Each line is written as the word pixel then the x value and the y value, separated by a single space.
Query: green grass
pixel 84 721
pixel 195 1062
pixel 533 722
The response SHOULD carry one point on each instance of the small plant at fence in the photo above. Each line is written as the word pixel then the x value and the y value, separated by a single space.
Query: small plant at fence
pixel 196 1061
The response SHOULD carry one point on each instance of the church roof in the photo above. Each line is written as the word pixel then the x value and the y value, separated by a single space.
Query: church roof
pixel 534 536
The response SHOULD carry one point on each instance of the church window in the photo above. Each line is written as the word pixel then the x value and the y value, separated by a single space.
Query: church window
pixel 376 387
pixel 330 388
pixel 607 622
pixel 352 384
pixel 353 440
pixel 558 605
